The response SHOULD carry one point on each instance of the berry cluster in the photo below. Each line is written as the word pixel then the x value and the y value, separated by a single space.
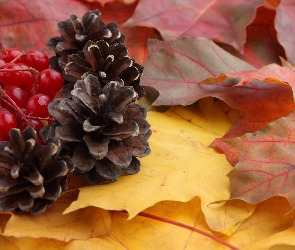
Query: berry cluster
pixel 27 86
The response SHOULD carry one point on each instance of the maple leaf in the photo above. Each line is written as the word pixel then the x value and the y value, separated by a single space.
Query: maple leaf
pixel 52 224
pixel 280 240
pixel 262 46
pixel 171 173
pixel 38 20
pixel 136 233
pixel 24 27
pixel 175 68
pixel 269 216
pixel 272 99
pixel 284 25
pixel 175 19
pixel 266 166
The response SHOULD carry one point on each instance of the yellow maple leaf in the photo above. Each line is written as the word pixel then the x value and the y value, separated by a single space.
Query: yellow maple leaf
pixel 52 224
pixel 180 167
pixel 260 231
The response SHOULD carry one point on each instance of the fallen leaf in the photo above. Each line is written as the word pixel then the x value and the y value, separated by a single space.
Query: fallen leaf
pixel 270 73
pixel 268 219
pixel 262 46
pixel 38 20
pixel 104 242
pixel 26 243
pixel 266 166
pixel 82 224
pixel 280 241
pixel 175 19
pixel 259 102
pixel 31 23
pixel 284 25
pixel 176 171
pixel 175 68
pixel 102 2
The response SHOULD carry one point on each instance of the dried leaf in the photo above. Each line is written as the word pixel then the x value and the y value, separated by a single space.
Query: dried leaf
pixel 269 73
pixel 82 224
pixel 27 31
pixel 259 102
pixel 26 243
pixel 283 240
pixel 266 166
pixel 284 25
pixel 269 218
pixel 175 68
pixel 176 171
pixel 38 23
pixel 175 19
pixel 262 46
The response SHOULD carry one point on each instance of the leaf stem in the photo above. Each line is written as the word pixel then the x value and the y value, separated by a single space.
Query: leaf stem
pixel 211 236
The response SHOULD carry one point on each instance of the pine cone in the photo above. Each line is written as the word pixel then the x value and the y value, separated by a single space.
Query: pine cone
pixel 106 62
pixel 75 34
pixel 102 129
pixel 32 176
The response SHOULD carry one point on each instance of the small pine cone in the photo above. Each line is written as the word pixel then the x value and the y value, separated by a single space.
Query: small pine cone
pixel 75 34
pixel 32 176
pixel 102 129
pixel 106 62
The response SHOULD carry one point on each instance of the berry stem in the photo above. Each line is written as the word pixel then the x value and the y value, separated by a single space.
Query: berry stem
pixel 16 70
pixel 14 106
pixel 22 54
pixel 39 118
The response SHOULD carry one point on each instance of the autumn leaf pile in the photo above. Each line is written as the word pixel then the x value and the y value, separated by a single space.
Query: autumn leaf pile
pixel 219 77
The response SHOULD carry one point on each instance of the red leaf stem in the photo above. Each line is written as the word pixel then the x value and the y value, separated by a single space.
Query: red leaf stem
pixel 211 236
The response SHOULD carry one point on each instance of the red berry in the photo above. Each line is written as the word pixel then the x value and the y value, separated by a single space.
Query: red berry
pixel 36 124
pixel 32 91
pixel 9 54
pixel 17 74
pixel 50 82
pixel 37 60
pixel 18 95
pixel 1 137
pixel 37 105
pixel 7 122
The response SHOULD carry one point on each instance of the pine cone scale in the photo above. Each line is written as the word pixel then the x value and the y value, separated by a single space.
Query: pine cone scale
pixel 123 130
pixel 97 148
pixel 35 177
pixel 107 169
pixel 82 159
pixel 136 146
pixel 70 133
pixel 36 191
pixel 133 168
pixel 118 154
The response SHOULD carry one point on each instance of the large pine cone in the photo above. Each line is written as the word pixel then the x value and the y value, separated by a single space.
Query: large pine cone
pixel 106 62
pixel 75 34
pixel 31 176
pixel 102 129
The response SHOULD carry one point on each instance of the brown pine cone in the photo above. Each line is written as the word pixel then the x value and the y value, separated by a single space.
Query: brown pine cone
pixel 106 62
pixel 101 128
pixel 32 176
pixel 75 34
